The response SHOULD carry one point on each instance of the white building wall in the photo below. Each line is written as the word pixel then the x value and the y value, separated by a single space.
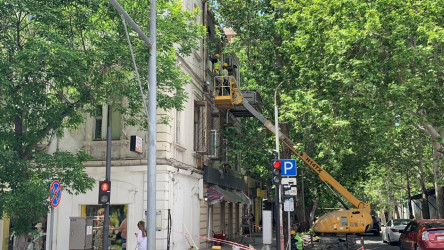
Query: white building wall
pixel 127 185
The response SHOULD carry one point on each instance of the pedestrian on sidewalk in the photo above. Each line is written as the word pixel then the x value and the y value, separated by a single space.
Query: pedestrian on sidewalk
pixel 141 235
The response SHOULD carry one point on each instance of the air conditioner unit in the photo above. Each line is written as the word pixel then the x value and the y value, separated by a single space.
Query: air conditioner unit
pixel 228 60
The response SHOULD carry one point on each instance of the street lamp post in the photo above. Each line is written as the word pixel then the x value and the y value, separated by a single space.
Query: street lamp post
pixel 151 110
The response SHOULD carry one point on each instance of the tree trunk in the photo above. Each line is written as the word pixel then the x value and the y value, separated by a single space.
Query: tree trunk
pixel 409 199
pixel 383 209
pixel 313 208
pixel 389 199
pixel 396 215
pixel 382 216
pixel 299 218
pixel 425 207
pixel 424 201
pixel 301 197
pixel 439 193
pixel 437 136
pixel 437 155
pixel 20 242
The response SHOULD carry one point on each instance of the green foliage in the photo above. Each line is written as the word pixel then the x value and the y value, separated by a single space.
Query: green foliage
pixel 357 77
pixel 24 189
pixel 58 61
pixel 243 148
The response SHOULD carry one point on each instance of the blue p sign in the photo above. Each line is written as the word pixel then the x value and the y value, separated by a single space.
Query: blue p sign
pixel 288 168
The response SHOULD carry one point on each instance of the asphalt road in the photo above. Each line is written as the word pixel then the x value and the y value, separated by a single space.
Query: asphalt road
pixel 375 243
pixel 370 243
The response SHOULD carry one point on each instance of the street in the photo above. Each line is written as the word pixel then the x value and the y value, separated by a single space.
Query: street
pixel 374 243
pixel 370 243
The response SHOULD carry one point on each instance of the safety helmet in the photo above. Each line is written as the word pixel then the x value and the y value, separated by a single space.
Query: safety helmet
pixel 292 232
pixel 216 67
pixel 225 64
pixel 217 55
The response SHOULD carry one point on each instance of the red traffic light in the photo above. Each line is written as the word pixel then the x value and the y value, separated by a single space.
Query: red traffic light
pixel 277 164
pixel 104 192
pixel 104 186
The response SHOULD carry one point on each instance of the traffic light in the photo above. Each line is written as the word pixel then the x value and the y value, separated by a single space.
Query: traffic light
pixel 104 192
pixel 277 172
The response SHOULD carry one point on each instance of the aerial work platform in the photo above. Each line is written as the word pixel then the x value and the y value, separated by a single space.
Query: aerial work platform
pixel 227 96
pixel 226 93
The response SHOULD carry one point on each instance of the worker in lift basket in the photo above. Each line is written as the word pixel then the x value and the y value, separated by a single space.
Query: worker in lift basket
pixel 296 241
pixel 225 77
pixel 216 64
pixel 217 71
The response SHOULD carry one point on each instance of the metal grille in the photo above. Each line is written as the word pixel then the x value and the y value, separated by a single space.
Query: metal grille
pixel 214 144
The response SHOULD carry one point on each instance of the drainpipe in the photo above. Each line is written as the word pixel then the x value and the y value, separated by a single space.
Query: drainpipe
pixel 204 54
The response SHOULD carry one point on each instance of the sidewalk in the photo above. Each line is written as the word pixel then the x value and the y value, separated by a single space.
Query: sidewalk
pixel 253 240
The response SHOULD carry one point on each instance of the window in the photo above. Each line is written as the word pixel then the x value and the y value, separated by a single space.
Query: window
pixel 344 221
pixel 101 123
pixel 214 144
pixel 98 125
pixel 118 214
pixel 178 129
pixel 202 118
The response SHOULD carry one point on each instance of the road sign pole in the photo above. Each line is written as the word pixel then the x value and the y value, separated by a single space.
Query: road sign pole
pixel 288 231
pixel 51 226
pixel 277 212
pixel 55 190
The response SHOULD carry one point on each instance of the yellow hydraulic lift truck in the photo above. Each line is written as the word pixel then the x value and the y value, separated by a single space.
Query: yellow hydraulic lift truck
pixel 348 221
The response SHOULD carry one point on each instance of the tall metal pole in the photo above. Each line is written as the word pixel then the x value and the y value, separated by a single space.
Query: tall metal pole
pixel 151 109
pixel 288 230
pixel 279 229
pixel 152 115
pixel 277 211
pixel 51 231
pixel 105 235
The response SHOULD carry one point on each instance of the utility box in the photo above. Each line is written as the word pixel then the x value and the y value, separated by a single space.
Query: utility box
pixel 81 233
pixel 267 227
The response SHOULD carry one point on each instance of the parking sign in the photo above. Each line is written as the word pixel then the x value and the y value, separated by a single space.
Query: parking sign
pixel 288 168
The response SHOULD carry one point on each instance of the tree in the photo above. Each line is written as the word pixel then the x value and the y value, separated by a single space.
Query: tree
pixel 58 60
pixel 365 63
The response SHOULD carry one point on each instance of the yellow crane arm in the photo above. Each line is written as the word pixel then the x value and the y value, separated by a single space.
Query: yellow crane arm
pixel 323 175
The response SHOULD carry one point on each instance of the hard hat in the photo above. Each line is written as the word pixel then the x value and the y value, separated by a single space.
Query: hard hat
pixel 292 232
pixel 217 55
pixel 225 64
pixel 216 67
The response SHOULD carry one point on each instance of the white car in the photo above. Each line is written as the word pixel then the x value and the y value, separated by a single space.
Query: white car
pixel 390 232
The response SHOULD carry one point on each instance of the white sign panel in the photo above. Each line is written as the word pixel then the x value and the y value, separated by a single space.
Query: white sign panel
pixel 288 181
pixel 290 185
pixel 289 205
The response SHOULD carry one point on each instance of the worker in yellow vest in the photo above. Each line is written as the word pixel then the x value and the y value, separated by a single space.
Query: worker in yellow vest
pixel 226 86
pixel 216 64
pixel 296 241
pixel 216 71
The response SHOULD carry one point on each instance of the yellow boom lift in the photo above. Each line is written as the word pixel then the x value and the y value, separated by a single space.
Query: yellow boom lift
pixel 347 221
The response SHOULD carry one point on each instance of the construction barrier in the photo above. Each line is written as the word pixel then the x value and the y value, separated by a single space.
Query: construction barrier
pixel 235 245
